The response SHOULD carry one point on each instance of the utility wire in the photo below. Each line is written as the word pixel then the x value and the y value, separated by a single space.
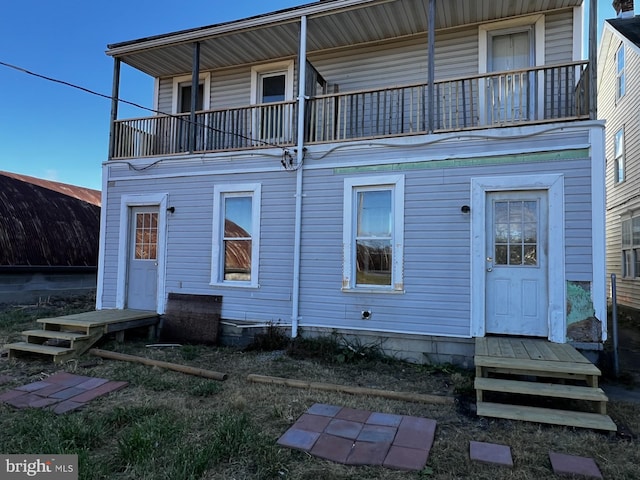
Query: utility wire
pixel 109 97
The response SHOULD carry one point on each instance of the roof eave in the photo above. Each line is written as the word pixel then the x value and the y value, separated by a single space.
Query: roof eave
pixel 191 35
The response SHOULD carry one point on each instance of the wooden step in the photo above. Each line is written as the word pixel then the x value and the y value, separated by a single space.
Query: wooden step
pixel 540 389
pixel 59 335
pixel 58 353
pixel 516 365
pixel 547 415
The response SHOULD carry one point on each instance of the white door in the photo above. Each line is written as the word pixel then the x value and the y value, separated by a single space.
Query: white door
pixel 516 263
pixel 273 89
pixel 510 95
pixel 142 278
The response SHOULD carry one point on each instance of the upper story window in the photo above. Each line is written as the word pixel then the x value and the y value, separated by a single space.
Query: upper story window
pixel 182 93
pixel 373 233
pixel 619 156
pixel 620 77
pixel 631 247
pixel 236 235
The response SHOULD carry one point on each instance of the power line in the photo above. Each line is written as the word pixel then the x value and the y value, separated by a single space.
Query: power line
pixel 110 97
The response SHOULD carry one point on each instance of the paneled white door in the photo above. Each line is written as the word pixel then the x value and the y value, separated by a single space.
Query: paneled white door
pixel 142 278
pixel 517 263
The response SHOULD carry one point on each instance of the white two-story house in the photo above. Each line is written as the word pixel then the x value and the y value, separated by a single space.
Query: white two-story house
pixel 422 171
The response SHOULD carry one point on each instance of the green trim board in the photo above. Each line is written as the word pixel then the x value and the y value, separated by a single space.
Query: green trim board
pixel 536 157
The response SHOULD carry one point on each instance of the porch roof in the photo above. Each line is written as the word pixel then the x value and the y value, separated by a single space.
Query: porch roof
pixel 331 24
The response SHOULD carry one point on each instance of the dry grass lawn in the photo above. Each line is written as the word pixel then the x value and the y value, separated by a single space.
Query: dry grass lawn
pixel 168 425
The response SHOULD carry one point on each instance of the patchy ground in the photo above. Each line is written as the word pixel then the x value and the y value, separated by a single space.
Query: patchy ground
pixel 168 425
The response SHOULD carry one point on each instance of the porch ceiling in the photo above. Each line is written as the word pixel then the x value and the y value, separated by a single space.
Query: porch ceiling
pixel 331 24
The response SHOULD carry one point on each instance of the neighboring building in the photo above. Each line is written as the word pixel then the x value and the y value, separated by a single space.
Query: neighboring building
pixel 367 199
pixel 49 236
pixel 619 104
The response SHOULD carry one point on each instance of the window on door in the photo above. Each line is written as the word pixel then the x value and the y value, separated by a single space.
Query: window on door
pixel 515 232
pixel 184 97
pixel 146 236
pixel 181 102
pixel 511 94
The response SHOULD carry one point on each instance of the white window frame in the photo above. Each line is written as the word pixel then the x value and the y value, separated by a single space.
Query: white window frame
pixel 630 248
pixel 254 190
pixel 619 160
pixel 486 31
pixel 275 68
pixel 396 184
pixel 620 72
pixel 204 78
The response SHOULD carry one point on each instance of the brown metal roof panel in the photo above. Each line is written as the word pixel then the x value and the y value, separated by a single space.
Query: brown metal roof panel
pixel 40 226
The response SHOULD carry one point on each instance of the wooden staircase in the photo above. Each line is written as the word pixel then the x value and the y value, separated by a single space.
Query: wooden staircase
pixel 66 337
pixel 516 371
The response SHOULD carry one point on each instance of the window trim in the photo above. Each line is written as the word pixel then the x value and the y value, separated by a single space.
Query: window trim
pixel 620 72
pixel 217 255
pixel 619 158
pixel 204 78
pixel 630 250
pixel 396 184
pixel 257 71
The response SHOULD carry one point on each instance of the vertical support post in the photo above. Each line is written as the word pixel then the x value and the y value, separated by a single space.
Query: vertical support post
pixel 614 320
pixel 195 81
pixel 593 58
pixel 302 65
pixel 431 34
pixel 115 93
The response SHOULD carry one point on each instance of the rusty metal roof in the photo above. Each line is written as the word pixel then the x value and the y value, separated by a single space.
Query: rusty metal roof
pixel 47 224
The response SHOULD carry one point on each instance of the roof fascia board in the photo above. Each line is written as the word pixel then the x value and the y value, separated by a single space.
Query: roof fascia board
pixel 287 16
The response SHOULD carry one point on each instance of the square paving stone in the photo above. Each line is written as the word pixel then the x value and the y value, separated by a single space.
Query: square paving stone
pixel 573 465
pixel 377 433
pixel 416 432
pixel 312 423
pixel 108 387
pixel 298 439
pixel 67 379
pixel 368 453
pixel 66 406
pixel 324 409
pixel 387 419
pixel 491 453
pixel 403 458
pixel 32 387
pixel 92 383
pixel 332 448
pixel 8 395
pixel 344 428
pixel 353 414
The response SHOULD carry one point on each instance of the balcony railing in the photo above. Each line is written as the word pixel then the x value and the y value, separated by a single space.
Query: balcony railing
pixel 255 126
pixel 533 95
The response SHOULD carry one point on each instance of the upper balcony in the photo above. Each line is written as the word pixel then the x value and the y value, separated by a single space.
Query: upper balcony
pixel 368 74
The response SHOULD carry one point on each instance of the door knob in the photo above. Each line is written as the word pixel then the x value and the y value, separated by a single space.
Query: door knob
pixel 489 269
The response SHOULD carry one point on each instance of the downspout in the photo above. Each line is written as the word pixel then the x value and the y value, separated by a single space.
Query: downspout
pixel 593 58
pixel 195 81
pixel 302 65
pixel 431 38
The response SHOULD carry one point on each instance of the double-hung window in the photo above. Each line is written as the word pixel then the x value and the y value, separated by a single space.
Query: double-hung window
pixel 631 247
pixel 620 77
pixel 236 235
pixel 373 233
pixel 619 156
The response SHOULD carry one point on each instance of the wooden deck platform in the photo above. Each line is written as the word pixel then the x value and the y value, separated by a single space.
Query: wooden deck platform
pixel 526 368
pixel 62 338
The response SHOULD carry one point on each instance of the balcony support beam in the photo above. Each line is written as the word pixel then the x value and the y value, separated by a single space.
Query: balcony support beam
pixel 195 81
pixel 297 243
pixel 593 59
pixel 115 93
pixel 431 38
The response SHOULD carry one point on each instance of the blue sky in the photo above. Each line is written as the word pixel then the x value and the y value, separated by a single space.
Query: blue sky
pixel 55 132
